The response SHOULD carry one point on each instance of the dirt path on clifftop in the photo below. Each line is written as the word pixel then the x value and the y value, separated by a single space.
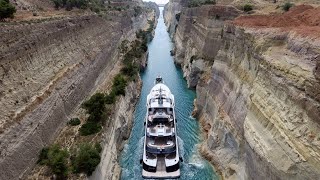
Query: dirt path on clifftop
pixel 303 19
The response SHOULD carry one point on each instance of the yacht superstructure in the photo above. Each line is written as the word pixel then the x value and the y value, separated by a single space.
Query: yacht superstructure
pixel 160 155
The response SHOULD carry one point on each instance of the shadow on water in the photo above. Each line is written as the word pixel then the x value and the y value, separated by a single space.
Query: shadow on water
pixel 161 63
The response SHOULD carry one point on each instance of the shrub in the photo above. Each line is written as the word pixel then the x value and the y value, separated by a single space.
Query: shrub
pixel 6 9
pixel 209 2
pixel 150 28
pixel 287 6
pixel 58 3
pixel 130 70
pixel 98 147
pixel 247 8
pixel 95 8
pixel 119 85
pixel 178 16
pixel 124 46
pixel 74 122
pixel 86 158
pixel 197 3
pixel 110 98
pixel 89 128
pixel 193 3
pixel 43 156
pixel 137 11
pixel 95 106
pixel 56 159
pixel 81 4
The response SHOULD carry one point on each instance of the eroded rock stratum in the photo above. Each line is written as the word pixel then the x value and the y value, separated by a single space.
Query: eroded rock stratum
pixel 257 83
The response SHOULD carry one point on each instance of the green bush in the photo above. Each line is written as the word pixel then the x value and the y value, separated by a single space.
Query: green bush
pixel 209 2
pixel 74 122
pixel 124 46
pixel 194 3
pixel 287 6
pixel 98 147
pixel 94 5
pixel 110 98
pixel 55 158
pixel 58 3
pixel 247 8
pixel 150 28
pixel 137 11
pixel 86 158
pixel 95 107
pixel 197 3
pixel 90 128
pixel 43 157
pixel 130 70
pixel 6 9
pixel 141 34
pixel 119 85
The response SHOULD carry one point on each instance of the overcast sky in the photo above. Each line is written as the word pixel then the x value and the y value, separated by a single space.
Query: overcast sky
pixel 159 1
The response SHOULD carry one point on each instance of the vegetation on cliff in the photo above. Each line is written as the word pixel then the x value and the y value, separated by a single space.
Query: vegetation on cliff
pixel 6 9
pixel 86 158
pixel 197 3
pixel 287 6
pixel 247 8
pixel 74 122
pixel 94 5
pixel 83 159
pixel 56 159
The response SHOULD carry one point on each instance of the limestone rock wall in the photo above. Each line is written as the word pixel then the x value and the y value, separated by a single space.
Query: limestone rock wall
pixel 118 131
pixel 47 69
pixel 169 13
pixel 257 94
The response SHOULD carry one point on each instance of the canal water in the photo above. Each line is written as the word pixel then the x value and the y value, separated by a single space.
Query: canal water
pixel 161 63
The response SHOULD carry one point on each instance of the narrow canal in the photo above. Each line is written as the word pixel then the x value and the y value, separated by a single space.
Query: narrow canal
pixel 161 63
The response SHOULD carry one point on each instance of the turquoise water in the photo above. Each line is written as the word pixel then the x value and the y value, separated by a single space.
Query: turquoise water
pixel 161 63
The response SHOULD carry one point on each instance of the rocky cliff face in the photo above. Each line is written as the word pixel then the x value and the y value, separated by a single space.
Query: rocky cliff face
pixel 116 132
pixel 154 6
pixel 170 11
pixel 47 69
pixel 257 93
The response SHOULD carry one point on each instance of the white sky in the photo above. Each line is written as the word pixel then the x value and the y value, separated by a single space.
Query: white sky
pixel 158 1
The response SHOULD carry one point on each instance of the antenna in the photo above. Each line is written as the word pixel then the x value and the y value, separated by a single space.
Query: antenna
pixel 160 97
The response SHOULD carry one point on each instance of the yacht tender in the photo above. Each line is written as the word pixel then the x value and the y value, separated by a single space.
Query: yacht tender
pixel 160 154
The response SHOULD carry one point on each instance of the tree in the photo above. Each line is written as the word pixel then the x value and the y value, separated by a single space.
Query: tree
pixel 86 158
pixel 287 6
pixel 95 106
pixel 89 128
pixel 56 159
pixel 6 9
pixel 247 8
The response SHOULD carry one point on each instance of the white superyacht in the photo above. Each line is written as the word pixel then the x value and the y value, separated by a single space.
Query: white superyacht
pixel 160 154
